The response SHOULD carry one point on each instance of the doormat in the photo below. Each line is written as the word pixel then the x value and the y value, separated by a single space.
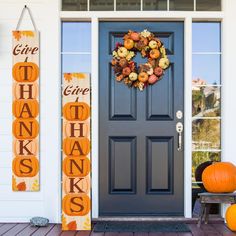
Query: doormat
pixel 140 227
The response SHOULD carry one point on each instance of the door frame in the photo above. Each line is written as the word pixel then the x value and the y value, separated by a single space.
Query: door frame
pixel 187 18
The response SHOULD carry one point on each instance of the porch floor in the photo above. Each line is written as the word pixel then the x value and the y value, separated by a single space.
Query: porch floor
pixel 24 229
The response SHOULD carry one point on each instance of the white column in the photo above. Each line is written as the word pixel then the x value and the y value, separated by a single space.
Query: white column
pixel 95 116
pixel 188 117
pixel 228 92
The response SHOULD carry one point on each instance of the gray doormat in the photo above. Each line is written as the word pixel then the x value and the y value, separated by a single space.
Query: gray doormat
pixel 140 227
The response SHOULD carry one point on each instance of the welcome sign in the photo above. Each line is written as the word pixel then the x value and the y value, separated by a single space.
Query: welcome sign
pixel 25 109
pixel 76 204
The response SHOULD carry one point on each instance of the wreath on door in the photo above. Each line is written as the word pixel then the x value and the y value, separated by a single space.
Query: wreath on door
pixel 126 69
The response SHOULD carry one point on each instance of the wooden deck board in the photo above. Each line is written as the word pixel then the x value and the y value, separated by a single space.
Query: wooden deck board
pixel 222 229
pixel 55 231
pixel 43 230
pixel 68 233
pixel 16 229
pixel 28 231
pixel 6 227
pixel 83 233
pixel 96 234
pixel 24 229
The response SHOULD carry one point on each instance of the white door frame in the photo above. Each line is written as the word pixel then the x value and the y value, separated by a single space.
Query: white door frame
pixel 187 18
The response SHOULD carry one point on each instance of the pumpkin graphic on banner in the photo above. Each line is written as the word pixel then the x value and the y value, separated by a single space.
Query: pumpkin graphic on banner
pixel 25 108
pixel 76 166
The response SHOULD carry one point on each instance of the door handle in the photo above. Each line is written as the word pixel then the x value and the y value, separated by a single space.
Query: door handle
pixel 179 129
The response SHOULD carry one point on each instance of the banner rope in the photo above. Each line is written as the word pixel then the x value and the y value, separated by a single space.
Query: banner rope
pixel 22 15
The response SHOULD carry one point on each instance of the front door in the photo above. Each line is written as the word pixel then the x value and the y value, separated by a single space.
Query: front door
pixel 140 167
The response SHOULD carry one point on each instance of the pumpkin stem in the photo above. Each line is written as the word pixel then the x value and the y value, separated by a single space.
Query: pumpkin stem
pixel 77 99
pixel 26 59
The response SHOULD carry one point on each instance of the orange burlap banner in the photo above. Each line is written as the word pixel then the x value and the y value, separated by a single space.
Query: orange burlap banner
pixel 76 204
pixel 25 109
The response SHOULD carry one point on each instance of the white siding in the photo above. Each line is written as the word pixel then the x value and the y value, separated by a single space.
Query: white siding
pixel 21 206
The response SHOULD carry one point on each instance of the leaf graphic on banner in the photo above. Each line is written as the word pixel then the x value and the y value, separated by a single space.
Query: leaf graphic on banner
pixel 68 77
pixel 14 187
pixel 72 225
pixel 63 222
pixel 79 75
pixel 21 186
pixel 28 33
pixel 35 185
pixel 87 224
pixel 17 35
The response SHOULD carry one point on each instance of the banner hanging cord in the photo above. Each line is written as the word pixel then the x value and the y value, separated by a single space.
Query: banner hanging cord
pixel 22 15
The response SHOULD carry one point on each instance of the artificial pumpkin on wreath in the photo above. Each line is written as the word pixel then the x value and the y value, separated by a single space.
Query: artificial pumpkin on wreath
pixel 220 177
pixel 139 76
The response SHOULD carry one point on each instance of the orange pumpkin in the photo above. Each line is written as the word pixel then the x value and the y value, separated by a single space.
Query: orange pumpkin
pixel 76 125
pixel 25 90
pixel 76 111
pixel 76 204
pixel 23 108
pixel 76 166
pixel 31 146
pixel 83 184
pixel 230 217
pixel 25 166
pixel 76 146
pixel 25 71
pixel 25 128
pixel 220 177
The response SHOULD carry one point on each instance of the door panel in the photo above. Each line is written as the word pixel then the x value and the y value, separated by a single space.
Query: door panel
pixel 140 169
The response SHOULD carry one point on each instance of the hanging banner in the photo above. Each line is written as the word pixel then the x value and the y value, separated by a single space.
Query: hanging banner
pixel 25 109
pixel 76 203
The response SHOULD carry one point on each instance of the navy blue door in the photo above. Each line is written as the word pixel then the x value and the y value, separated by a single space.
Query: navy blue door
pixel 140 169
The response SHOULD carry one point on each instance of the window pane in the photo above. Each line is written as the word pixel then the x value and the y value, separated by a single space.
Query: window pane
pixel 74 5
pixel 206 69
pixel 212 5
pixel 131 5
pixel 152 5
pixel 206 37
pixel 76 37
pixel 205 134
pixel 101 5
pixel 181 5
pixel 206 101
pixel 76 63
pixel 198 158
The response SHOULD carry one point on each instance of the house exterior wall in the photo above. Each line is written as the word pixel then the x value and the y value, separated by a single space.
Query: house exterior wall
pixel 21 206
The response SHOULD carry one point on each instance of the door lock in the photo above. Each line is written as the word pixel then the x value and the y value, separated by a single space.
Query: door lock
pixel 179 114
pixel 179 129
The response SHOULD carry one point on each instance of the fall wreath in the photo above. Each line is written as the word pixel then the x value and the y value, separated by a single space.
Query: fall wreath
pixel 150 47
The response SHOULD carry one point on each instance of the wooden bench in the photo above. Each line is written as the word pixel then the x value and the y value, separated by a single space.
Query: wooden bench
pixel 206 199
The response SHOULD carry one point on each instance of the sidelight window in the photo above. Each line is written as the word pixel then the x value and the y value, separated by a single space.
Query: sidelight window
pixel 76 47
pixel 206 100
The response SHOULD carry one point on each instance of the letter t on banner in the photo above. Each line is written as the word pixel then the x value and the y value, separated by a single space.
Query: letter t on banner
pixel 76 204
pixel 25 108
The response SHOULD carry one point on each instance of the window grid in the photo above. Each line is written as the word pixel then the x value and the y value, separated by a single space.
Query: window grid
pixel 200 151
pixel 142 3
